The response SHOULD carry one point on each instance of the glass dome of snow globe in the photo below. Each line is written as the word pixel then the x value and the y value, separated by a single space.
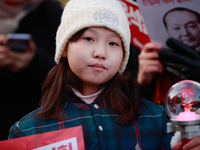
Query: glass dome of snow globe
pixel 182 103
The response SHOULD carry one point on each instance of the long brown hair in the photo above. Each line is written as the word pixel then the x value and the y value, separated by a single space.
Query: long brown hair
pixel 120 92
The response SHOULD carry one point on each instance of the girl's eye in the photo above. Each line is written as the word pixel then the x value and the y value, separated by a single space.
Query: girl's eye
pixel 113 44
pixel 88 39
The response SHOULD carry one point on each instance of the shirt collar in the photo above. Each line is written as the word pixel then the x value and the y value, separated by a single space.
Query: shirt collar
pixel 88 99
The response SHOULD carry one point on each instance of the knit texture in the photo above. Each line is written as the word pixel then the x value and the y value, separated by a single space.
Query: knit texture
pixel 79 14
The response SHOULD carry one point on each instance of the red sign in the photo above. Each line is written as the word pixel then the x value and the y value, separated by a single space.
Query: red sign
pixel 139 35
pixel 64 139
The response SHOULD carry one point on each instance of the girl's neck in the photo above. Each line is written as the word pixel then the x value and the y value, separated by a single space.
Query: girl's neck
pixel 89 89
pixel 88 99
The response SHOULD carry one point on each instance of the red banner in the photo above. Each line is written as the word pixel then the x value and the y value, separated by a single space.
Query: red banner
pixel 64 139
pixel 139 35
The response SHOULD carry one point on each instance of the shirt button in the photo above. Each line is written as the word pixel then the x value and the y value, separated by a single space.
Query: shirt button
pixel 100 128
pixel 96 106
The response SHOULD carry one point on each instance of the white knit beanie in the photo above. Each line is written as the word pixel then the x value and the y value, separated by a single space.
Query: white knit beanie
pixel 79 14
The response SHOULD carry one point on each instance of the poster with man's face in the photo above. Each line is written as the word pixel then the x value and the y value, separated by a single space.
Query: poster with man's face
pixel 179 19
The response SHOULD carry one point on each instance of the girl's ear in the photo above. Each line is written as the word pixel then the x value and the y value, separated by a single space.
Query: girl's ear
pixel 64 54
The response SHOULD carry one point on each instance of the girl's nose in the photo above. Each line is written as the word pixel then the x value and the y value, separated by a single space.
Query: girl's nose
pixel 100 51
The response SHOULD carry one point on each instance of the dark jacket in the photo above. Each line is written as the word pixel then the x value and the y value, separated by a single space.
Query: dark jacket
pixel 20 92
pixel 100 127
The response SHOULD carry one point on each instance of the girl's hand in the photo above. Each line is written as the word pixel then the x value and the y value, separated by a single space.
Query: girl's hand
pixel 149 63
pixel 194 144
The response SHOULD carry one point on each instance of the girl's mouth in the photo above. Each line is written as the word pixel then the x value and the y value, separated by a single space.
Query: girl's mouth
pixel 98 67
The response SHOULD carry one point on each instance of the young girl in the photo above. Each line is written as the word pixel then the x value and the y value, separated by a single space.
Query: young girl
pixel 88 87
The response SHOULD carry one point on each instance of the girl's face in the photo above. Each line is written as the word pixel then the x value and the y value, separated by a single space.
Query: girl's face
pixel 95 57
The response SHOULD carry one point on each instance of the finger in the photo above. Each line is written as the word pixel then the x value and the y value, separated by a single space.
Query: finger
pixel 194 144
pixel 147 71
pixel 21 60
pixel 16 55
pixel 153 46
pixel 3 39
pixel 177 146
pixel 151 66
pixel 4 49
pixel 5 59
pixel 148 55
pixel 154 69
pixel 31 46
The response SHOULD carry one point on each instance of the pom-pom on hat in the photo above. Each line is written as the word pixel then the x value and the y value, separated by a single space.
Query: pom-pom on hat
pixel 79 14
